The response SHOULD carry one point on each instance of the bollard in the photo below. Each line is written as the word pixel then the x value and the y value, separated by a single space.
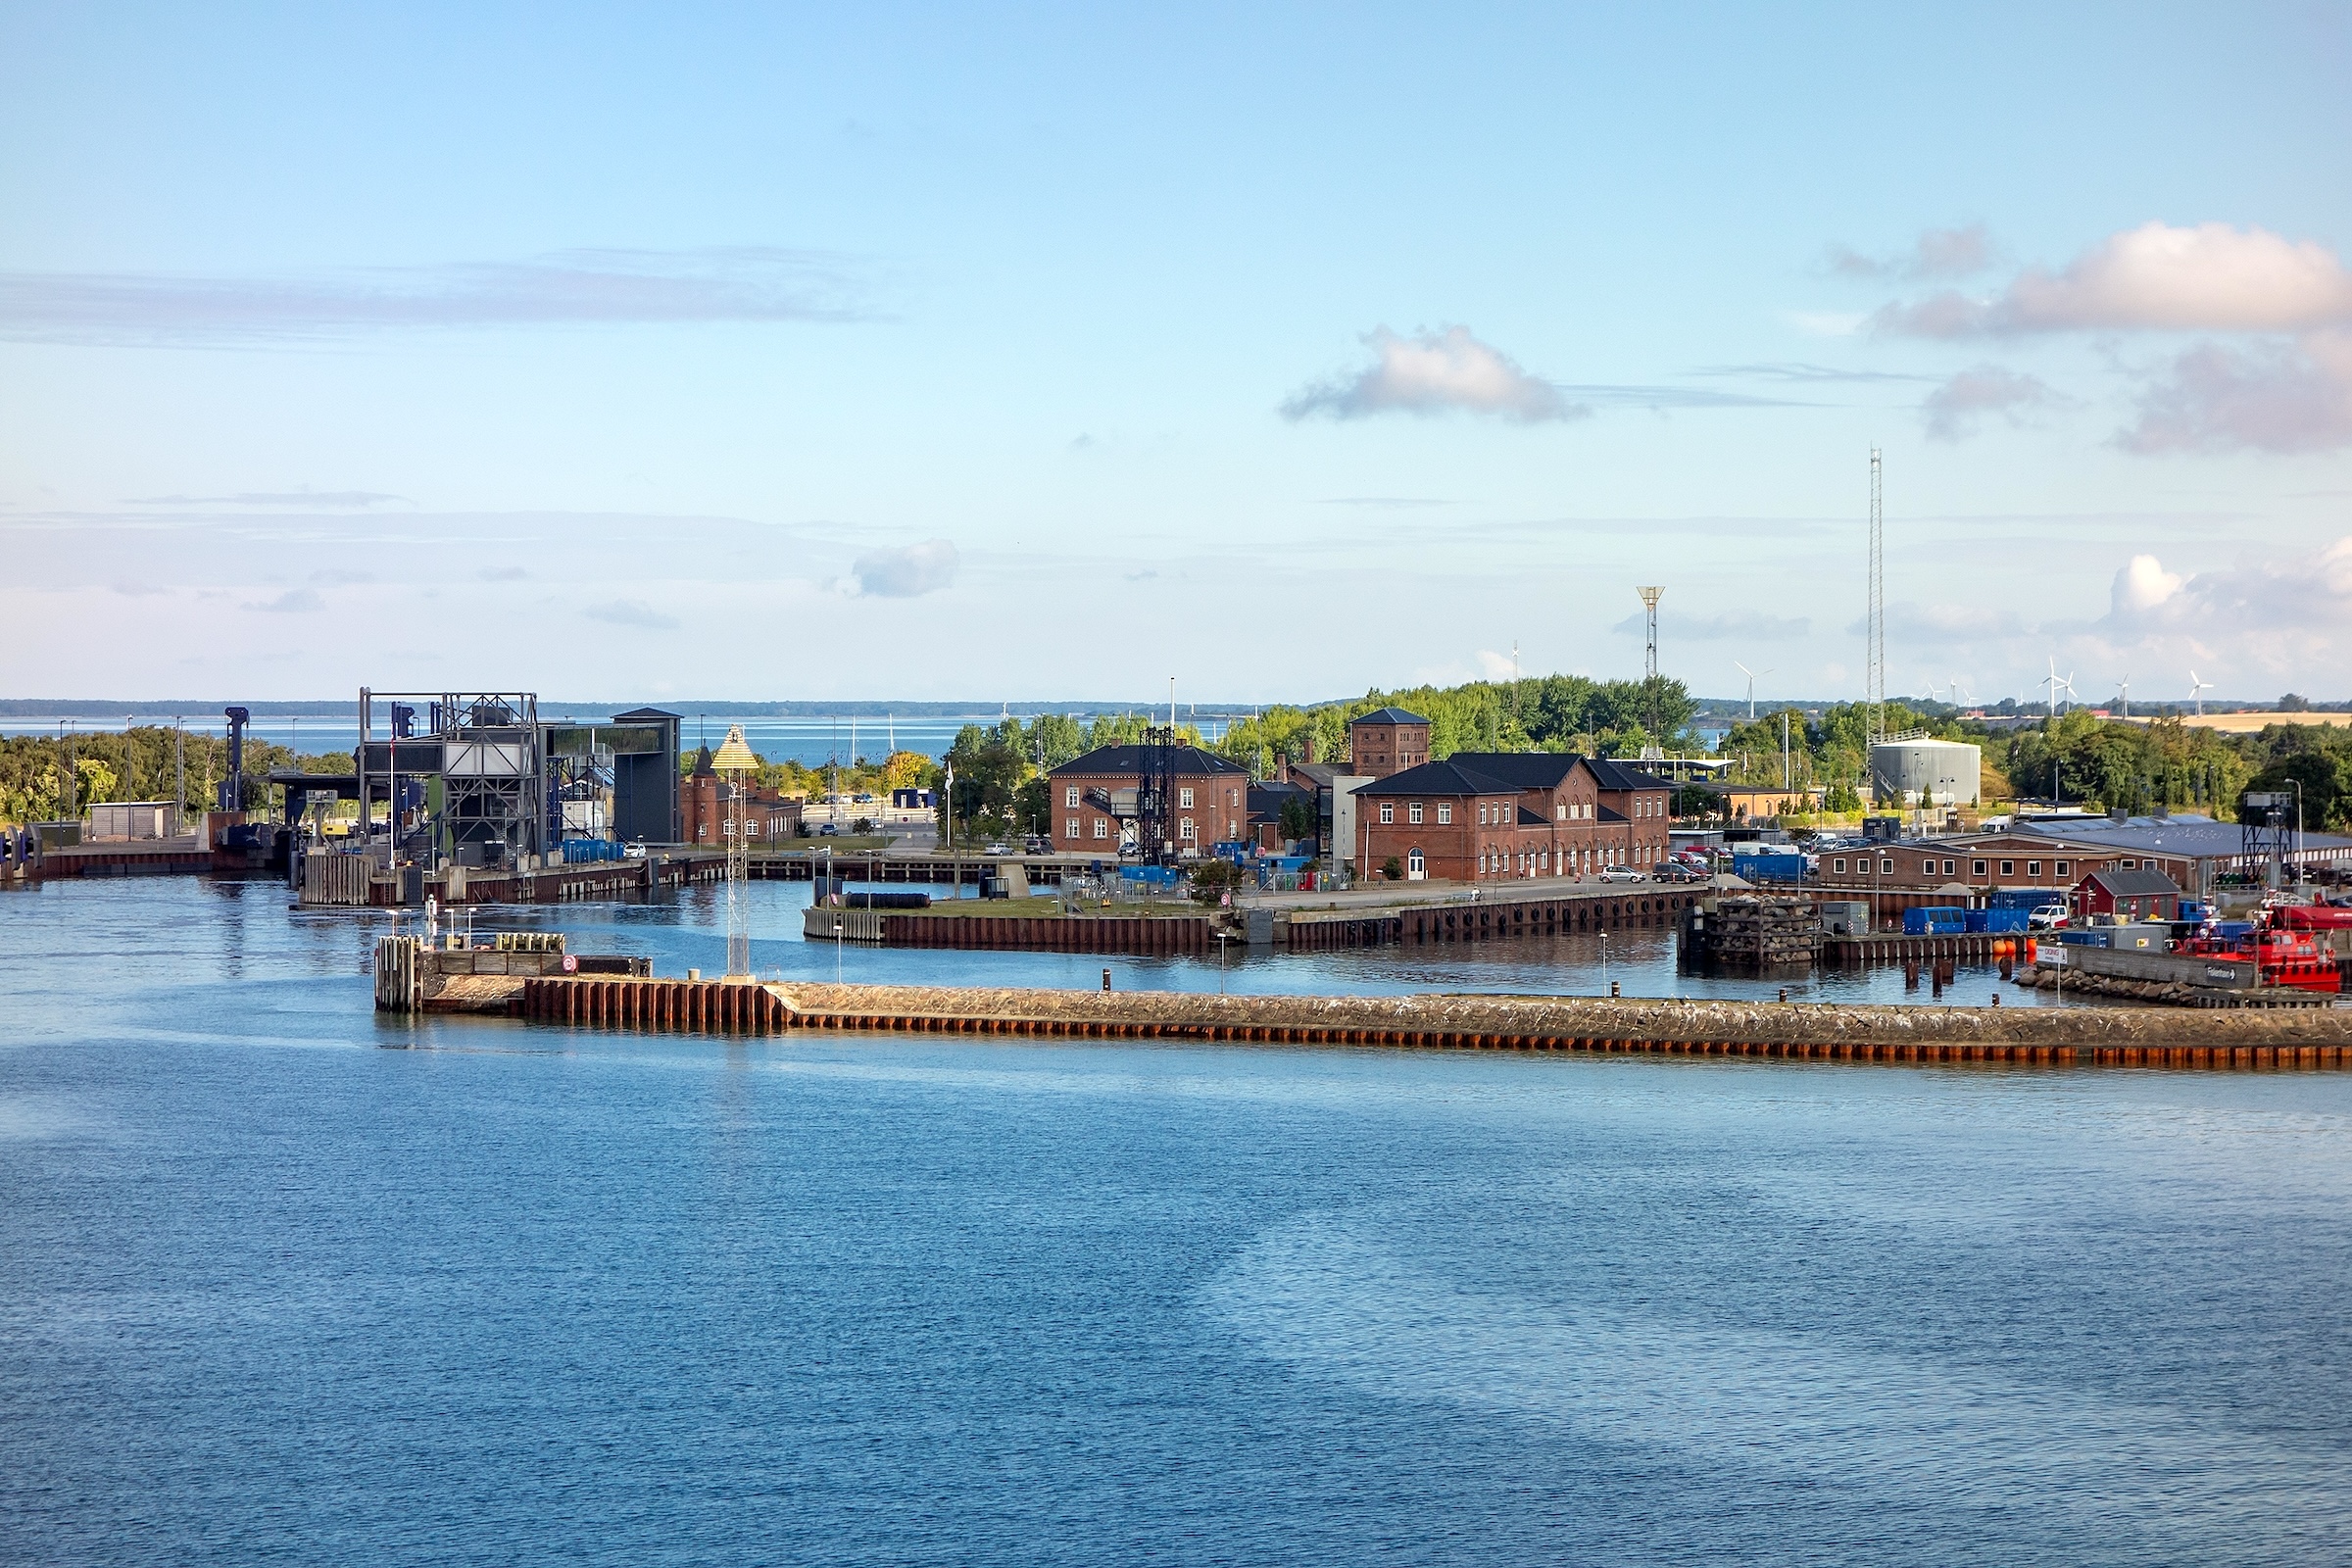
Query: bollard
pixel 1613 990
pixel 1783 993
pixel 1996 999
pixel 1106 979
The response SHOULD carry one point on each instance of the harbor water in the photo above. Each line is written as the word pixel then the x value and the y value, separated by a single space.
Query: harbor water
pixel 284 1280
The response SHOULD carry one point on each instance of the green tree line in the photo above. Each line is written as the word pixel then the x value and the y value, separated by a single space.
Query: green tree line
pixel 134 764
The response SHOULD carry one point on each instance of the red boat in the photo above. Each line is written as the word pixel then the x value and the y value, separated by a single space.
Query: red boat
pixel 2280 956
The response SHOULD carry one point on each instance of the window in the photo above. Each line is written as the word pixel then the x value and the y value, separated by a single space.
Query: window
pixel 1928 867
pixel 1885 868
pixel 1444 811
pixel 1102 827
pixel 1183 798
pixel 2032 868
pixel 2125 864
pixel 1837 866
pixel 1976 869
pixel 2008 868
pixel 1183 830
pixel 1948 867
pixel 1387 812
pixel 1414 864
pixel 1071 831
pixel 2065 868
pixel 1412 813
pixel 1559 811
pixel 1070 797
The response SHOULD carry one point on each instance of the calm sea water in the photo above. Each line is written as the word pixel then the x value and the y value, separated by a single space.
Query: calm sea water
pixel 280 1280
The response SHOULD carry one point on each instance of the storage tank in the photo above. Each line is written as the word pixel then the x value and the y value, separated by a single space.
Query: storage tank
pixel 1920 772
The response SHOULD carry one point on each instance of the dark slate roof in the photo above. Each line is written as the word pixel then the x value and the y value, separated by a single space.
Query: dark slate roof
pixel 1438 778
pixel 1533 818
pixel 1388 715
pixel 1122 759
pixel 1609 814
pixel 2135 884
pixel 2182 834
pixel 1266 800
pixel 1527 771
pixel 1618 776
pixel 637 715
pixel 1323 773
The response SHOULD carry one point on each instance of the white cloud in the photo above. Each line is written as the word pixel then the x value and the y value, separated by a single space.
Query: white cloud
pixel 1937 253
pixel 2141 590
pixel 1987 391
pixel 293 602
pixel 631 613
pixel 1436 372
pixel 909 572
pixel 573 287
pixel 2269 396
pixel 2212 277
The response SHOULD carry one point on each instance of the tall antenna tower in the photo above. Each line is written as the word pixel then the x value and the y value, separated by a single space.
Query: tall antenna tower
pixel 1650 659
pixel 738 765
pixel 1875 684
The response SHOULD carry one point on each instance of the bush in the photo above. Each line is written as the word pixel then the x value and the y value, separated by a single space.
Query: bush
pixel 1393 868
pixel 863 824
pixel 1212 879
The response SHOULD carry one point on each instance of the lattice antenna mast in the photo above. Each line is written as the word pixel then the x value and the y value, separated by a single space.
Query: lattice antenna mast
pixel 1650 659
pixel 738 765
pixel 1875 693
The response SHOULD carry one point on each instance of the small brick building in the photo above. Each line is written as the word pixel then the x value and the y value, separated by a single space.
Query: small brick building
pixel 1385 741
pixel 2128 896
pixel 1092 795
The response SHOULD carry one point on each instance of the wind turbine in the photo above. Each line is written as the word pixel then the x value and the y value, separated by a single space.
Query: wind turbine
pixel 2057 683
pixel 2126 694
pixel 2196 688
pixel 1961 694
pixel 1751 675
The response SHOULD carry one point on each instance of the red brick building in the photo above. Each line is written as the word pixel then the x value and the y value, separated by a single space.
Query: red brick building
pixel 1482 817
pixel 2129 896
pixel 702 805
pixel 1094 799
pixel 1386 740
pixel 1982 862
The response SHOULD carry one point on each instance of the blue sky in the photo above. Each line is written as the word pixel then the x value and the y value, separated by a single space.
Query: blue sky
pixel 953 354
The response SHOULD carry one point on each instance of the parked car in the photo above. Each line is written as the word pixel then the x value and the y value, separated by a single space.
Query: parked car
pixel 997 849
pixel 1676 871
pixel 633 852
pixel 1622 873
pixel 2047 917
pixel 830 830
pixel 1038 844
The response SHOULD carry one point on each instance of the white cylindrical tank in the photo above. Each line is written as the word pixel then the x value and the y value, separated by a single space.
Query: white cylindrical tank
pixel 1926 772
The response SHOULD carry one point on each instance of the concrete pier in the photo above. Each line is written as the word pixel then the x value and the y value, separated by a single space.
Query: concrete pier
pixel 2301 1040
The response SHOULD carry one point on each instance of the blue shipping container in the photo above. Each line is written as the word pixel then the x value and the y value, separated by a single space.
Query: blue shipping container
pixel 1769 867
pixel 2006 920
pixel 2023 898
pixel 1934 922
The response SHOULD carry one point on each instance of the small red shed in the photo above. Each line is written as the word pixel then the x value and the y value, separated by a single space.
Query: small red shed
pixel 2129 896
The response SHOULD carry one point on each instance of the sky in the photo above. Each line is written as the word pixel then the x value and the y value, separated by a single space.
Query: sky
pixel 1287 351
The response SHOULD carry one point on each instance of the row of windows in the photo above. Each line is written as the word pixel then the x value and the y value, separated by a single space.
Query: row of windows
pixel 1929 866
pixel 1184 797
pixel 1184 828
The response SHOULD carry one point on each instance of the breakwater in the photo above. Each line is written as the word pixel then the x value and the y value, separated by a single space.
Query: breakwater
pixel 1640 1026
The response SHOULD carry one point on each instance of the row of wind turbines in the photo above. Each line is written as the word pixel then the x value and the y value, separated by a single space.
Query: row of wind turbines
pixel 1959 693
pixel 2197 688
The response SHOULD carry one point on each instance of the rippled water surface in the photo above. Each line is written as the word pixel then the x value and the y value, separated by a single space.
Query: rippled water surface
pixel 283 1282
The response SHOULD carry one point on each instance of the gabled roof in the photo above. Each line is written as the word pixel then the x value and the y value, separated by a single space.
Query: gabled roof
pixel 1121 760
pixel 1617 776
pixel 1388 715
pixel 1438 778
pixel 2134 884
pixel 1527 771
pixel 640 715
pixel 1533 818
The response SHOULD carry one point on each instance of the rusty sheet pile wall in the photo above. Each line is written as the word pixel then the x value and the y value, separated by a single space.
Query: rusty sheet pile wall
pixel 1776 1030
